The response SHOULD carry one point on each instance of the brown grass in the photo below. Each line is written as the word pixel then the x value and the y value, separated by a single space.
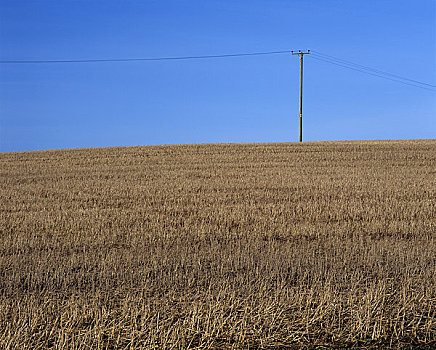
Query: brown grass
pixel 219 246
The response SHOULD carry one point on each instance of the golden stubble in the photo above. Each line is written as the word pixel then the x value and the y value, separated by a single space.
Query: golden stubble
pixel 219 246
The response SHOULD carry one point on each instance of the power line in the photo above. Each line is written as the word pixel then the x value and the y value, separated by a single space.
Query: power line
pixel 340 60
pixel 315 55
pixel 370 73
pixel 146 58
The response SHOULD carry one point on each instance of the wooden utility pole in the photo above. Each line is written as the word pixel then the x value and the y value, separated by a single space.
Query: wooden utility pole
pixel 301 54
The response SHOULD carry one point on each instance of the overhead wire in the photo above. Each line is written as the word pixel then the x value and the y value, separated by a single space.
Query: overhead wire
pixel 369 72
pixel 313 54
pixel 340 60
pixel 145 58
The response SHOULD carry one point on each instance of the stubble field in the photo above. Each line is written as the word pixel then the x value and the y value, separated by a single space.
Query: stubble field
pixel 219 246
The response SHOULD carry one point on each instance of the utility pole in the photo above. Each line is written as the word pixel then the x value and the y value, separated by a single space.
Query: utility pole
pixel 301 54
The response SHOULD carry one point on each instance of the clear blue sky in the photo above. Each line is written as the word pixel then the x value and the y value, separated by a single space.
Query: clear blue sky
pixel 241 99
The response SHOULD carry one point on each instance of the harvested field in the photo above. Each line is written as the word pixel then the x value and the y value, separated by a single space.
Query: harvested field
pixel 219 246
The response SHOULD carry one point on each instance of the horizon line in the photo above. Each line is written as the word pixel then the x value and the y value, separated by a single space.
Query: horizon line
pixel 212 143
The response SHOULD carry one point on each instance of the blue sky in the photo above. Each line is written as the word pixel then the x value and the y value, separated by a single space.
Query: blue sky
pixel 241 99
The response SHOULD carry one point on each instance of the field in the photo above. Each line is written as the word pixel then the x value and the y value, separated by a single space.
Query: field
pixel 324 244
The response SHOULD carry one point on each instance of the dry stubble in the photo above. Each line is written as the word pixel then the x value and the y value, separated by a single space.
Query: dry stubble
pixel 219 246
